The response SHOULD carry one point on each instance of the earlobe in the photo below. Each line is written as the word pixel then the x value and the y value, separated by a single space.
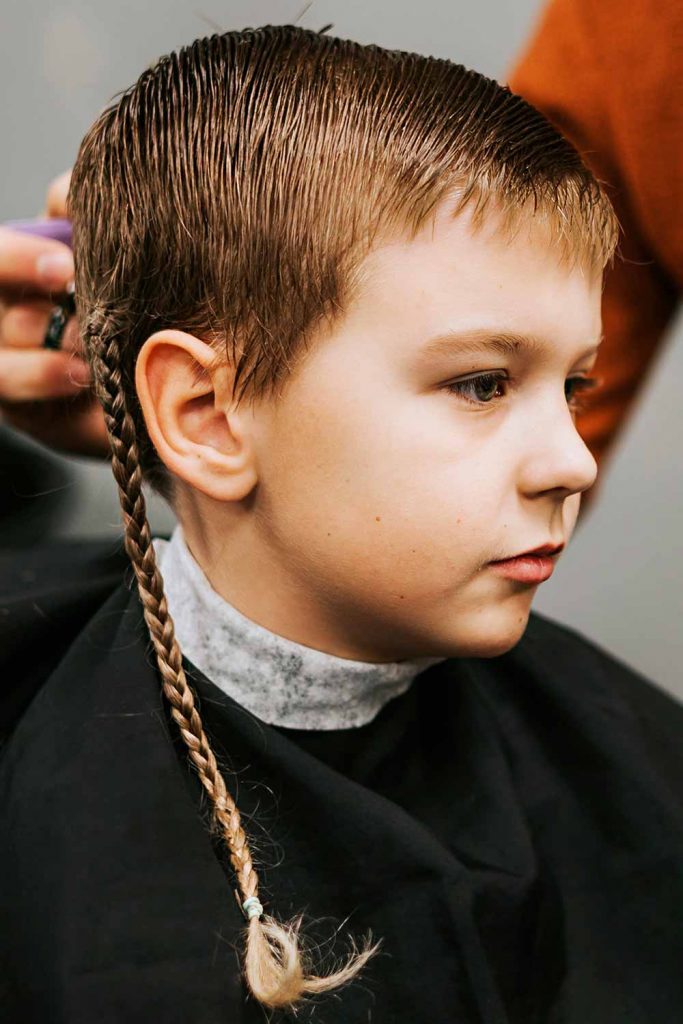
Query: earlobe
pixel 197 432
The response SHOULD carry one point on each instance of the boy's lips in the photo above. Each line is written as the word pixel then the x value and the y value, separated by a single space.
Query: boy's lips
pixel 530 566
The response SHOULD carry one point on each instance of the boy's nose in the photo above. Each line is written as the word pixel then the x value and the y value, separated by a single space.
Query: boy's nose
pixel 557 457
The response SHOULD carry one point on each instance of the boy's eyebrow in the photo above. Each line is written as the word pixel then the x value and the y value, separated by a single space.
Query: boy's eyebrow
pixel 490 340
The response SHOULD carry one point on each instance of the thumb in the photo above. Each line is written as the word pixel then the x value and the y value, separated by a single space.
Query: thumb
pixel 55 204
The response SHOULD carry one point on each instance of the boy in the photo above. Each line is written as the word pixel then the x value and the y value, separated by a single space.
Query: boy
pixel 339 303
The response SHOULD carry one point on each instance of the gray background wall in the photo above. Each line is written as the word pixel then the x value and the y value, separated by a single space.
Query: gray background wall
pixel 619 583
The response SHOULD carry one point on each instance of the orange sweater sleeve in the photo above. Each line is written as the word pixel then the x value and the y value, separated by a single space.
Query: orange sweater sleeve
pixel 608 74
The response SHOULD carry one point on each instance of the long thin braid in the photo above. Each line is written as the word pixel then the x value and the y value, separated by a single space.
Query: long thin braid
pixel 273 959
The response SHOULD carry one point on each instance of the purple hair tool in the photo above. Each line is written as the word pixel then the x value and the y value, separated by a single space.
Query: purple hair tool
pixel 45 227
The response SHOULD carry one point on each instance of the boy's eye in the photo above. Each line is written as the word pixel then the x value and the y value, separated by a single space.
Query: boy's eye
pixel 478 390
pixel 481 390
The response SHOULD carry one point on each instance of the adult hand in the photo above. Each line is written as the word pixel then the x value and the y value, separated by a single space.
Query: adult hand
pixel 47 394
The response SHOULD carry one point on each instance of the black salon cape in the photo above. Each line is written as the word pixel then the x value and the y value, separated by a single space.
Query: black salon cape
pixel 511 827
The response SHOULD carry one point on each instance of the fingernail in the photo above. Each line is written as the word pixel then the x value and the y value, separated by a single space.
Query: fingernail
pixel 55 268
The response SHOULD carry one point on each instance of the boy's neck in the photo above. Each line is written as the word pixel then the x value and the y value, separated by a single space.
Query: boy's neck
pixel 279 680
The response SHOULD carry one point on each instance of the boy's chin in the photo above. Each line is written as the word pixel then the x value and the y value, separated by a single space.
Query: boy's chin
pixel 489 636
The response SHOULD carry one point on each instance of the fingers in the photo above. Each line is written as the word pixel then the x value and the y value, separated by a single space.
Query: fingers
pixel 55 205
pixel 27 370
pixel 46 393
pixel 24 326
pixel 30 265
pixel 37 268
pixel 28 374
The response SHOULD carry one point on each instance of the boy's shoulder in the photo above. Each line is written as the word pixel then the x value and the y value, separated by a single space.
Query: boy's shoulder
pixel 558 641
pixel 48 592
pixel 583 665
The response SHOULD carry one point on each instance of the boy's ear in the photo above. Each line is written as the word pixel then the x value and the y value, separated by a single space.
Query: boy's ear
pixel 191 417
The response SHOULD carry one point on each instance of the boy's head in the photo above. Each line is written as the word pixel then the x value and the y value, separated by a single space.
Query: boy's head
pixel 270 226
pixel 271 230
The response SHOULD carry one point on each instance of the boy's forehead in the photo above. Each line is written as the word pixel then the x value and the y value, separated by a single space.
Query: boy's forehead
pixel 456 262
pixel 455 286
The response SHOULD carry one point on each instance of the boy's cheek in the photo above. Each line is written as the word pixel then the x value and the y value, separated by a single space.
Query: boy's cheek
pixel 418 549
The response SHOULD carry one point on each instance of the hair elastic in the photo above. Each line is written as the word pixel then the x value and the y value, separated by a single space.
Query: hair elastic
pixel 252 907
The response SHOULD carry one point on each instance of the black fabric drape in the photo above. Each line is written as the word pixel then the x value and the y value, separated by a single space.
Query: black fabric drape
pixel 511 827
pixel 37 490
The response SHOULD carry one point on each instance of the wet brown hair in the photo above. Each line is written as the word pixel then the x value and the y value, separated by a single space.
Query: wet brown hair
pixel 233 192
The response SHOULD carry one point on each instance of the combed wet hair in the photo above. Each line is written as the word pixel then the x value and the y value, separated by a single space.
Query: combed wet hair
pixel 233 192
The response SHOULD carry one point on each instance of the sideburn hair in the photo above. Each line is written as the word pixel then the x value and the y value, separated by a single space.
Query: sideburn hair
pixel 233 192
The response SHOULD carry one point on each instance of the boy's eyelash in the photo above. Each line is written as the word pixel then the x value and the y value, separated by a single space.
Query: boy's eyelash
pixel 576 402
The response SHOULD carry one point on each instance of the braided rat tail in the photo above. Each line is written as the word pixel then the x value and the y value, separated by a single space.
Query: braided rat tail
pixel 273 959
